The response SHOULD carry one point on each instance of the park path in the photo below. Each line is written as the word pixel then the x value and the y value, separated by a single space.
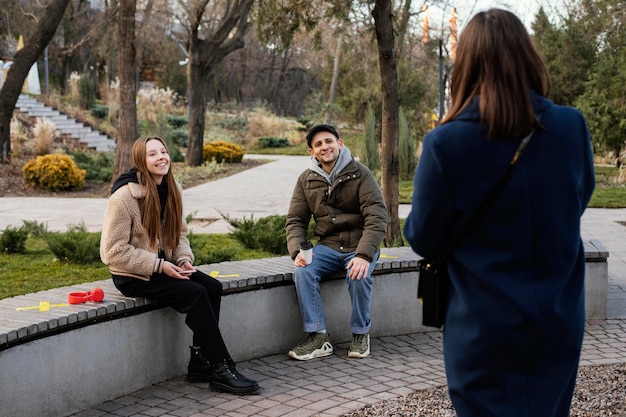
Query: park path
pixel 260 191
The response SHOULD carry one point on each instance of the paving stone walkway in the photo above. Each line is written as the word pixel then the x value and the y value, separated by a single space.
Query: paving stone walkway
pixel 334 385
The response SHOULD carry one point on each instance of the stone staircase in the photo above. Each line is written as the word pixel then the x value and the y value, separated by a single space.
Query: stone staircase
pixel 65 126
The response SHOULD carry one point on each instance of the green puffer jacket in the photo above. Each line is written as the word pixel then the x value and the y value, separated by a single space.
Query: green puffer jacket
pixel 350 215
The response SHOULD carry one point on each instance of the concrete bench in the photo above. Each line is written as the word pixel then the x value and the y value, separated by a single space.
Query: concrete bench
pixel 57 359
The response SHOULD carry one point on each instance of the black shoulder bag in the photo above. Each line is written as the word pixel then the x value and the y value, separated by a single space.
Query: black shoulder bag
pixel 434 281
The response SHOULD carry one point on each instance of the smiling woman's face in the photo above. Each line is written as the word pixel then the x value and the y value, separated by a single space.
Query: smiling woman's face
pixel 157 160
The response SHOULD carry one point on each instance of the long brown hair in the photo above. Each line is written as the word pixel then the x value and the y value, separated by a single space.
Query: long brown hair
pixel 497 61
pixel 167 233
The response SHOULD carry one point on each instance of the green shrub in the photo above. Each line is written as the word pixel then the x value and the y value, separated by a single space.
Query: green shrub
pixel 180 137
pixel 13 239
pixel 34 228
pixel 87 92
pixel 225 251
pixel 196 244
pixel 77 245
pixel 221 151
pixel 407 154
pixel 266 233
pixel 177 122
pixel 305 122
pixel 162 129
pixel 273 142
pixel 234 123
pixel 369 153
pixel 217 254
pixel 100 111
pixel 175 153
pixel 98 167
pixel 53 173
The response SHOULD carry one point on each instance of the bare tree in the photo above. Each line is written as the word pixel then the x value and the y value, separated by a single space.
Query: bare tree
pixel 209 42
pixel 24 60
pixel 127 58
pixel 260 73
pixel 390 160
pixel 296 14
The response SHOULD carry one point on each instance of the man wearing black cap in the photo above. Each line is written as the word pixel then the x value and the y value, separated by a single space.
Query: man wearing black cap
pixel 350 217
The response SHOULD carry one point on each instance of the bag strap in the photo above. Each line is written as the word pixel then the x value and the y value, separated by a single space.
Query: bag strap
pixel 456 239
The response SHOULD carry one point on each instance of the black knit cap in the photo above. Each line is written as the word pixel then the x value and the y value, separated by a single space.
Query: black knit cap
pixel 320 128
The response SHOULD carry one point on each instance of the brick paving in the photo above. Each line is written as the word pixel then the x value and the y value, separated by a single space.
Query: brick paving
pixel 334 385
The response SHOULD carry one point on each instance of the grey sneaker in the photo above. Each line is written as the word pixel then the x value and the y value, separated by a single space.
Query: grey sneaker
pixel 315 345
pixel 360 346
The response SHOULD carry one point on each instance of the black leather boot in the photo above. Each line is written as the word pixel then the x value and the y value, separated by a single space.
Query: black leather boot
pixel 199 369
pixel 226 378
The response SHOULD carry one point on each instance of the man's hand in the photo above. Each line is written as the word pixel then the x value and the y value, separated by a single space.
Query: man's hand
pixel 358 268
pixel 300 261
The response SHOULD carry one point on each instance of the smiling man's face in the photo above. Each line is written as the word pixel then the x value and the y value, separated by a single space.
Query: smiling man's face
pixel 325 147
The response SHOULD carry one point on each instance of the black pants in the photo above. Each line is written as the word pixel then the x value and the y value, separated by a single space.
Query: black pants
pixel 199 297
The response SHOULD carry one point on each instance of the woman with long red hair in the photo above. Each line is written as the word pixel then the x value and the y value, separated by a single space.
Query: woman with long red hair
pixel 144 243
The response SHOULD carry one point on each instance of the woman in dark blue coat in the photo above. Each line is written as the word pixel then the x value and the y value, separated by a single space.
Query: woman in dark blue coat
pixel 514 326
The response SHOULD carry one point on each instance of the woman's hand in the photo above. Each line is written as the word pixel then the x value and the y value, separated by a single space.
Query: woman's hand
pixel 178 272
pixel 187 268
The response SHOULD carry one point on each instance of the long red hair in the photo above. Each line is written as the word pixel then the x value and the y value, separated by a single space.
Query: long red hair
pixel 166 232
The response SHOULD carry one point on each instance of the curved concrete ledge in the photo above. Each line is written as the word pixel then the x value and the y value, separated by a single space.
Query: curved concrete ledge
pixel 60 359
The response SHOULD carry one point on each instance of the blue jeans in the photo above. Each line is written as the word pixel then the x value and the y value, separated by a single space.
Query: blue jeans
pixel 307 279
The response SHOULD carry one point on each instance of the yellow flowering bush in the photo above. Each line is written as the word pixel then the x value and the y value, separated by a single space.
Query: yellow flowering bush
pixel 221 151
pixel 53 173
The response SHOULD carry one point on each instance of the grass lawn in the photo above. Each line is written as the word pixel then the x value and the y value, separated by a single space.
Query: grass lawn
pixel 38 269
pixel 608 193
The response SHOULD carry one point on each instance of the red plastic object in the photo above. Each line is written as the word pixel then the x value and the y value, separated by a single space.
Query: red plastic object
pixel 83 296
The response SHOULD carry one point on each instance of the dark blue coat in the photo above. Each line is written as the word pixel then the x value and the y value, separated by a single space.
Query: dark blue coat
pixel 515 323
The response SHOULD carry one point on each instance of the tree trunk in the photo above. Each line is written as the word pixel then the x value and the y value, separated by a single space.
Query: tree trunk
pixel 127 133
pixel 390 161
pixel 24 59
pixel 204 56
pixel 335 81
pixel 198 83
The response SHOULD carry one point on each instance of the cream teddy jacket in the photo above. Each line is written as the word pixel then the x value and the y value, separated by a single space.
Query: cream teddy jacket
pixel 125 244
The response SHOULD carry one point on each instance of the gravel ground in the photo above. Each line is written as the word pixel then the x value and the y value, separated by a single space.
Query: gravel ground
pixel 600 391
